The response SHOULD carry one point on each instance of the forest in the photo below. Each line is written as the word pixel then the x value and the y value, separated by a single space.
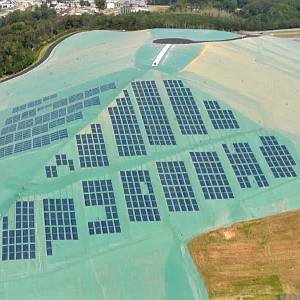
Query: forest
pixel 24 33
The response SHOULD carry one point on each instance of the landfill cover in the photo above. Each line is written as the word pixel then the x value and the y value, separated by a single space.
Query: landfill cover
pixel 109 166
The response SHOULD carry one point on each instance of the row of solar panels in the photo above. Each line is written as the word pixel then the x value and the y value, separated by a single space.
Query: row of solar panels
pixel 60 216
pixel 18 124
pixel 92 153
pixel 33 103
pixel 38 130
pixel 88 93
pixel 33 143
pixel 47 121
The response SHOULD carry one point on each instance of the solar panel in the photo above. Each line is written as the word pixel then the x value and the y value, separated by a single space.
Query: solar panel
pixel 220 118
pixel 153 113
pixel 21 135
pixel 42 119
pixel 107 87
pixel 57 122
pixel 62 160
pixel 100 193
pixel 25 124
pixel 12 119
pixel 91 92
pixel 245 164
pixel 278 157
pixel 19 108
pixel 139 196
pixel 6 139
pixel 75 116
pixel 51 171
pixel 60 103
pixel 39 129
pixel 58 135
pixel 28 113
pixel 177 186
pixel 92 101
pixel 8 129
pixel 211 175
pixel 76 97
pixel 75 107
pixel 60 221
pixel 185 108
pixel 7 150
pixel 126 128
pixel 19 243
pixel 50 97
pixel 23 146
pixel 91 148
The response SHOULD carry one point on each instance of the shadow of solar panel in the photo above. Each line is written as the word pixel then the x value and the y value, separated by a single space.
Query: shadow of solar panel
pixel 20 243
pixel 139 196
pixel 185 108
pixel 245 164
pixel 60 221
pixel 220 118
pixel 211 175
pixel 153 113
pixel 126 128
pixel 100 193
pixel 91 148
pixel 177 186
pixel 278 157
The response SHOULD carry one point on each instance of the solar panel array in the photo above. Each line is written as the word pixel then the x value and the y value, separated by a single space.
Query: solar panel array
pixel 60 221
pixel 185 108
pixel 177 186
pixel 211 175
pixel 220 118
pixel 25 129
pixel 35 142
pixel 278 157
pixel 245 164
pixel 139 196
pixel 29 127
pixel 62 160
pixel 20 243
pixel 51 171
pixel 91 148
pixel 153 113
pixel 100 193
pixel 126 128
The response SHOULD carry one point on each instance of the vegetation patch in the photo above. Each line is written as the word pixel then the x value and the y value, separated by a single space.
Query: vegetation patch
pixel 255 260
pixel 24 33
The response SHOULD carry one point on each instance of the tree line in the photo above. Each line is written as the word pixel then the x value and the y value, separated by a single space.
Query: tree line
pixel 22 34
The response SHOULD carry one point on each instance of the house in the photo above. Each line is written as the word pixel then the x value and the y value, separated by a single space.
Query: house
pixel 112 4
pixel 6 4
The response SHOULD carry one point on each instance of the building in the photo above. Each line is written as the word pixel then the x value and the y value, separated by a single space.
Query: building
pixel 6 4
pixel 125 7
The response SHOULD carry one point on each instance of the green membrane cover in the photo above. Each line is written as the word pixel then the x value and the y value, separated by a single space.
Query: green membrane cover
pixel 109 166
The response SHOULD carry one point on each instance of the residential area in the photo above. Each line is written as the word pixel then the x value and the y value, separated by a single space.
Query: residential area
pixel 78 7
